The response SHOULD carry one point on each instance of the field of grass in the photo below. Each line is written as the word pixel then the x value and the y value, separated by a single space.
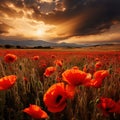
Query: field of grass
pixel 32 83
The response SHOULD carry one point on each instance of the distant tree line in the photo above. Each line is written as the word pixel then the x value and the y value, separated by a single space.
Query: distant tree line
pixel 8 46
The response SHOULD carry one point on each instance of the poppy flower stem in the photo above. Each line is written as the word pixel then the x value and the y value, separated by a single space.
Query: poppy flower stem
pixel 11 68
pixel 2 68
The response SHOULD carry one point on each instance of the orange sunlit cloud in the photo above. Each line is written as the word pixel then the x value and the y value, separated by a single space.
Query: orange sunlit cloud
pixel 25 28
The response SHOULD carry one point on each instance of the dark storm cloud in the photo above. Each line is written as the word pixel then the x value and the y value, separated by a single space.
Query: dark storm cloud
pixel 97 16
pixel 72 4
pixel 100 16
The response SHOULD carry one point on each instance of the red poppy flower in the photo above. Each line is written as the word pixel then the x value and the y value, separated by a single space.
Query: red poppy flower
pixel 98 65
pixel 75 77
pixel 97 59
pixel 107 105
pixel 49 71
pixel 117 108
pixel 9 58
pixel 56 96
pixel 53 56
pixel 35 112
pixel 101 74
pixel 7 82
pixel 43 65
pixel 35 57
pixel 98 78
pixel 25 79
pixel 58 62
pixel 94 83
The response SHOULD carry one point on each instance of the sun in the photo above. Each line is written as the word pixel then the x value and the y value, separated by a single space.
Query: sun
pixel 40 32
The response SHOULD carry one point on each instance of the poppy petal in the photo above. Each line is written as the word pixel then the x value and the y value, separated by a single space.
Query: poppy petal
pixel 7 82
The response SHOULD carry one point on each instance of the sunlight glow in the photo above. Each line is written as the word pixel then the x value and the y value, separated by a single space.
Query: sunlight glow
pixel 49 1
pixel 40 32
pixel 29 28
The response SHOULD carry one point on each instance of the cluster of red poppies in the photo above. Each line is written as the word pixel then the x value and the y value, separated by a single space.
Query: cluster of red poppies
pixel 55 98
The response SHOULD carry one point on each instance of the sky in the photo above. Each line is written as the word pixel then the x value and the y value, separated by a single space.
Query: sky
pixel 71 21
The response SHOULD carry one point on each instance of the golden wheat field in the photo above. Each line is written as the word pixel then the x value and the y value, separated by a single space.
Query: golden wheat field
pixel 59 84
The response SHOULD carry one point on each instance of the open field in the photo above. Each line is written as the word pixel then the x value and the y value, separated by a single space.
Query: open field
pixel 33 80
pixel 109 47
pixel 103 48
pixel 96 48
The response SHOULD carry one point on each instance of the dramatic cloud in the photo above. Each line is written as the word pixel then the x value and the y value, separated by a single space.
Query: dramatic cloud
pixel 60 20
pixel 111 36
pixel 4 28
pixel 96 16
